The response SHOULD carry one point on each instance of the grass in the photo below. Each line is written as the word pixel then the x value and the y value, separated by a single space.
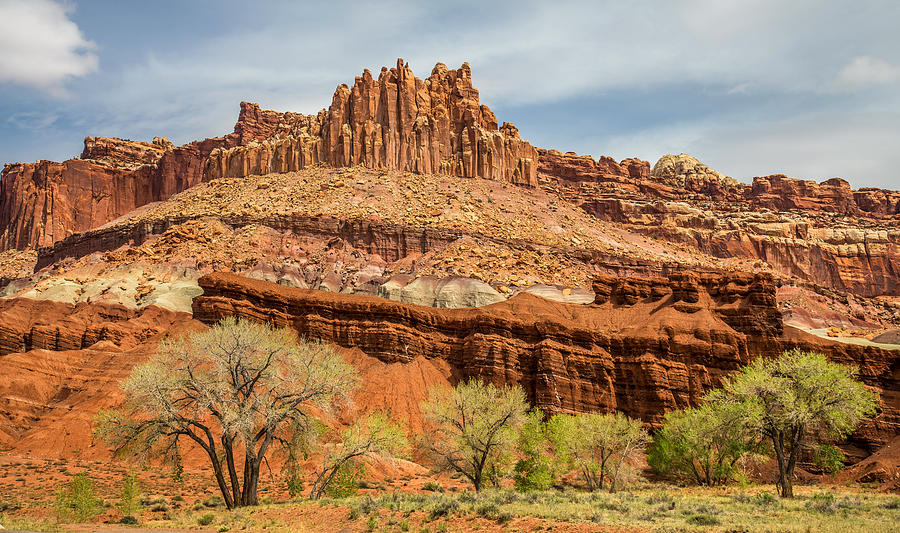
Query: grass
pixel 28 523
pixel 647 507
pixel 662 508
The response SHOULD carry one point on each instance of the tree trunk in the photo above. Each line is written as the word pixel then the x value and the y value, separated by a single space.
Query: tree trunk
pixel 783 483
pixel 791 463
pixel 232 472
pixel 220 480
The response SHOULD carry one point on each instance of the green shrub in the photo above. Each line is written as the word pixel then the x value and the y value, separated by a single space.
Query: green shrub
pixel 372 522
pixel 213 501
pixel 829 458
pixel 445 507
pixel 433 486
pixel 130 496
pixel 822 503
pixel 78 500
pixel 345 482
pixel 764 498
pixel 535 470
pixel 702 445
pixel 702 520
pixel 206 519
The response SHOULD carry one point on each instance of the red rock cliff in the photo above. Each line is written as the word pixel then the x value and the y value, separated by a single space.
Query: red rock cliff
pixel 44 202
pixel 397 121
pixel 645 347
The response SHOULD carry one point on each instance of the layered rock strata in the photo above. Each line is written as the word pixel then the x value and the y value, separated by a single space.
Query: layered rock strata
pixel 645 347
pixel 44 202
pixel 861 260
pixel 395 122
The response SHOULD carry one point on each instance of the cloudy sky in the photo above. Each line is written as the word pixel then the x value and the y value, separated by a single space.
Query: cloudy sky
pixel 807 88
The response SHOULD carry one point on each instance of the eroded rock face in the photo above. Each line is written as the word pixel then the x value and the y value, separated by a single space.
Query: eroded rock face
pixel 124 153
pixel 834 195
pixel 397 122
pixel 645 347
pixel 687 172
pixel 44 202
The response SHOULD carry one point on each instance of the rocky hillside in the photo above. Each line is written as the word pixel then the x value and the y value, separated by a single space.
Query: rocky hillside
pixel 405 225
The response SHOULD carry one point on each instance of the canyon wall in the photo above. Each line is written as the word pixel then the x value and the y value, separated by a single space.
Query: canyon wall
pixel 396 122
pixel 44 202
pixel 673 176
pixel 644 347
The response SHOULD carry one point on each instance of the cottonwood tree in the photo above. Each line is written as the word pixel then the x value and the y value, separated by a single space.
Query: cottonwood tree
pixel 375 434
pixel 797 399
pixel 703 444
pixel 473 427
pixel 535 470
pixel 238 388
pixel 596 444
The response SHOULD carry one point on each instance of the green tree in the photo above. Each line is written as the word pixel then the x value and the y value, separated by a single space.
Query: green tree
pixel 473 427
pixel 702 444
pixel 596 444
pixel 376 434
pixel 238 387
pixel 78 500
pixel 534 471
pixel 130 496
pixel 796 400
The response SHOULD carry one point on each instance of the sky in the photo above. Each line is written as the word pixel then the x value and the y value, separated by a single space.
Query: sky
pixel 810 89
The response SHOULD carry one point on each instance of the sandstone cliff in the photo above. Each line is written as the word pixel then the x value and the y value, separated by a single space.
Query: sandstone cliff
pixel 397 121
pixel 44 202
pixel 645 347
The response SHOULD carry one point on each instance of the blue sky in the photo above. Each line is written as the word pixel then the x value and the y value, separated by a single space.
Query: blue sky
pixel 810 89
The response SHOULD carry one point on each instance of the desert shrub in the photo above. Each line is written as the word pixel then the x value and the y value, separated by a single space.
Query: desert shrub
pixel 446 506
pixel 78 500
pixel 128 520
pixel 130 495
pixel 433 486
pixel 345 481
pixel 535 470
pixel 764 499
pixel 702 520
pixel 213 501
pixel 206 519
pixel 829 458
pixel 822 503
pixel 893 503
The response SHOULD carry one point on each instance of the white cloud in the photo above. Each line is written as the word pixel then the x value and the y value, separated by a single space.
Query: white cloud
pixel 865 71
pixel 40 46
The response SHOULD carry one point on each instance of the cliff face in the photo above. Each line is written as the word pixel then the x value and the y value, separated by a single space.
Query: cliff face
pixel 830 196
pixel 824 233
pixel 644 347
pixel 44 202
pixel 397 122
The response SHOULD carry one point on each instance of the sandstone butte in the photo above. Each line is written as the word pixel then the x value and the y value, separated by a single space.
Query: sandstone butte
pixel 655 335
pixel 396 122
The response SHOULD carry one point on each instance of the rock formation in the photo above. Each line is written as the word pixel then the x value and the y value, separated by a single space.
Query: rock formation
pixel 686 172
pixel 124 153
pixel 398 122
pixel 44 202
pixel 645 347
pixel 781 193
